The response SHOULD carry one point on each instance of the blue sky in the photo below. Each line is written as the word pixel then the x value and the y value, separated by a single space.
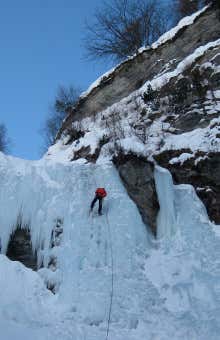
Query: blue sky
pixel 41 48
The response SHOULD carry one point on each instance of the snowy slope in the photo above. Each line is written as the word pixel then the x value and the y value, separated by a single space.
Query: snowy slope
pixel 159 289
pixel 26 306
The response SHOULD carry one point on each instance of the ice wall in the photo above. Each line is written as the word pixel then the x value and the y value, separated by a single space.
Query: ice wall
pixel 157 289
pixel 35 194
pixel 166 220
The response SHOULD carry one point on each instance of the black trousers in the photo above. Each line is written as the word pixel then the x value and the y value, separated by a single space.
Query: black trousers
pixel 100 203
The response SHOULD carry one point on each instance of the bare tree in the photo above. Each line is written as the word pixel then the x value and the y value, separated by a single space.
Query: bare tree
pixel 121 27
pixel 65 99
pixel 4 140
pixel 207 2
pixel 186 7
pixel 217 5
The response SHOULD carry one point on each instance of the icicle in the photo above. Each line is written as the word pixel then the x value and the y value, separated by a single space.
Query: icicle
pixel 166 220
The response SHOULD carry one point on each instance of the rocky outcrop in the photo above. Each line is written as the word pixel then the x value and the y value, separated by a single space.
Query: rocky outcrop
pixel 187 109
pixel 137 175
pixel 85 152
pixel 177 113
pixel 185 95
pixel 202 171
pixel 20 248
pixel 133 73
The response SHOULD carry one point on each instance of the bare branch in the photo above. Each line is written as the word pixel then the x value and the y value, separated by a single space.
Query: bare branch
pixel 121 27
pixel 65 98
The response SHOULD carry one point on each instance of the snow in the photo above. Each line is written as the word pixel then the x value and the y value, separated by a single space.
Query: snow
pixel 159 135
pixel 98 81
pixel 188 263
pixel 132 144
pixel 161 289
pixel 47 190
pixel 163 79
pixel 198 139
pixel 26 305
pixel 181 159
pixel 186 21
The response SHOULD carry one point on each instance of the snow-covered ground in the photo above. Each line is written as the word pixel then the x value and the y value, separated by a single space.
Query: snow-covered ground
pixel 108 267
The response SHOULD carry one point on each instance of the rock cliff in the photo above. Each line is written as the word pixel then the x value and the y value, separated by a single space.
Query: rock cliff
pixel 161 106
pixel 134 72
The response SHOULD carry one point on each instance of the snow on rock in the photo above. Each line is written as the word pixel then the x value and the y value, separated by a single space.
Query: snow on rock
pixel 163 79
pixel 159 135
pixel 98 81
pixel 181 159
pixel 159 289
pixel 198 139
pixel 186 21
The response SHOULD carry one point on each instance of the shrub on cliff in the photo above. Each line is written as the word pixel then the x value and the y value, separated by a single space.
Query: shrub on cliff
pixel 121 27
pixel 65 99
pixel 4 140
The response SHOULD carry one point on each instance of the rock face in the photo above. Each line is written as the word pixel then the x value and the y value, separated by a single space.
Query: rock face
pixel 133 73
pixel 202 174
pixel 20 249
pixel 174 123
pixel 186 95
pixel 137 175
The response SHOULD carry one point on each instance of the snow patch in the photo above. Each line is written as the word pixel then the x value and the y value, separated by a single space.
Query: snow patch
pixel 181 159
pixel 163 79
pixel 189 20
pixel 186 21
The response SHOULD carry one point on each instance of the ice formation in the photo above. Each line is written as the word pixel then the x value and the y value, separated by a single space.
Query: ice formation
pixel 166 220
pixel 109 268
pixel 112 280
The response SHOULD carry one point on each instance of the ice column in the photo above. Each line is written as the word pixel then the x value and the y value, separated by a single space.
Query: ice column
pixel 166 219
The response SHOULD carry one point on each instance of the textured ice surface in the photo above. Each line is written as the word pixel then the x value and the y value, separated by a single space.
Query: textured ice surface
pixel 161 289
pixel 166 219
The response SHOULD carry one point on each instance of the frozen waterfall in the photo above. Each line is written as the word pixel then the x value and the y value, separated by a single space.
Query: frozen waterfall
pixel 108 268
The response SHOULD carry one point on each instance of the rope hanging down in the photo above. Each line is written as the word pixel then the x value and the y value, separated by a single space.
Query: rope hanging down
pixel 112 276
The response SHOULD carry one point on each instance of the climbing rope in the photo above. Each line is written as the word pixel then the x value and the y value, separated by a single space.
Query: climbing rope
pixel 112 276
pixel 112 273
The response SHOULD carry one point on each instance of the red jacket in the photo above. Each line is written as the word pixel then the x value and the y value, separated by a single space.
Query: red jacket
pixel 101 192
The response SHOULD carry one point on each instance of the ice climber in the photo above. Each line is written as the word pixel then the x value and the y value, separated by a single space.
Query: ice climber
pixel 100 193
